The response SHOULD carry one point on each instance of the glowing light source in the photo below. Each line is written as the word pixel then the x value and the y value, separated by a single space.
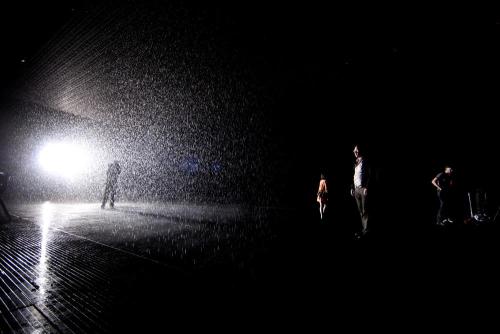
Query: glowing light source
pixel 64 159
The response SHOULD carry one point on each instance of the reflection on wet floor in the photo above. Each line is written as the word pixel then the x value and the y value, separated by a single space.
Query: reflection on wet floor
pixel 181 235
pixel 65 267
pixel 75 268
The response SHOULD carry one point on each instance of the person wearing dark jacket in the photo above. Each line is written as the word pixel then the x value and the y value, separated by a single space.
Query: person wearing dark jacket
pixel 445 184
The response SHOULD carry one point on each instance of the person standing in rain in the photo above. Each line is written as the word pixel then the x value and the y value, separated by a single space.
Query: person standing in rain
pixel 444 183
pixel 114 170
pixel 359 190
pixel 322 196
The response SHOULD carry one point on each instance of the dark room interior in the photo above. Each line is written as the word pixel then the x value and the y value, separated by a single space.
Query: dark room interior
pixel 221 118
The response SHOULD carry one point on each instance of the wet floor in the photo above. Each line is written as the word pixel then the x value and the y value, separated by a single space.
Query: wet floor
pixel 74 268
pixel 78 268
pixel 180 235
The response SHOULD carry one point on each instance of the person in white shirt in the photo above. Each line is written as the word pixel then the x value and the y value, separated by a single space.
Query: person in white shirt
pixel 360 188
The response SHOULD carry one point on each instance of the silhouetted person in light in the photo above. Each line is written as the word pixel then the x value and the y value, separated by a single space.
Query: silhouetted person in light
pixel 444 183
pixel 360 188
pixel 114 170
pixel 322 196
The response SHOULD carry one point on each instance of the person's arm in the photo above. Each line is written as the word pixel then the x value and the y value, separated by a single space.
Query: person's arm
pixel 435 183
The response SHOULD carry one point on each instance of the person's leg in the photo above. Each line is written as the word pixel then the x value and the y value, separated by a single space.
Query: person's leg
pixel 105 197
pixel 440 213
pixel 359 203
pixel 364 211
pixel 112 197
pixel 445 211
pixel 322 208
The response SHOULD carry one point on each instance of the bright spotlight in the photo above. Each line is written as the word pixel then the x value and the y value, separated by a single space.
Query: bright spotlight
pixel 64 159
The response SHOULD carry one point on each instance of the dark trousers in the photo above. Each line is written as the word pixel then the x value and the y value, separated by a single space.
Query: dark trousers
pixel 362 202
pixel 109 191
pixel 444 211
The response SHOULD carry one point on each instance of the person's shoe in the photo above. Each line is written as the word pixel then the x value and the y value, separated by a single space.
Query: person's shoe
pixel 102 206
pixel 358 235
pixel 451 221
